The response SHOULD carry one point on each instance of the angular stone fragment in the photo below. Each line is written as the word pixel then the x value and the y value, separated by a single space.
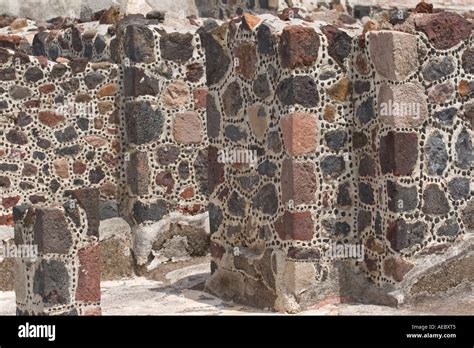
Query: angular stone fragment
pixel 393 53
pixel 468 60
pixel 459 188
pixel 298 182
pixel 176 46
pixel 397 268
pixel 438 68
pixel 332 166
pixel 232 99
pixel 402 105
pixel 217 58
pixel 339 43
pixel 52 281
pixel 51 232
pixel 138 43
pixel 154 211
pixel 246 56
pixel 403 235
pixel 266 199
pixel 298 47
pixel 464 150
pixel 137 82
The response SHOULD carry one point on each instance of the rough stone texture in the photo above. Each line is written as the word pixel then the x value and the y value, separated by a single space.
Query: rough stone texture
pixel 187 128
pixel 298 47
pixel 299 133
pixel 444 29
pixel 398 153
pixel 393 54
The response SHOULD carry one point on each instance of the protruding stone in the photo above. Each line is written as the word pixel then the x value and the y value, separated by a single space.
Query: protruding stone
pixel 266 199
pixel 258 119
pixel 51 281
pixel 246 55
pixel 51 232
pixel 459 188
pixel 187 128
pixel 339 43
pixel 143 123
pixel 397 268
pixel 464 150
pixel 398 153
pixel 298 182
pixel 444 29
pixel 298 46
pixel 138 43
pixel 438 68
pixel 176 46
pixel 298 90
pixel 332 166
pixel 393 53
pixel 232 99
pixel 299 133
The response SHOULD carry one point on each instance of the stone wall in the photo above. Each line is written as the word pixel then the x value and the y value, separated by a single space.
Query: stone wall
pixel 333 168
pixel 64 277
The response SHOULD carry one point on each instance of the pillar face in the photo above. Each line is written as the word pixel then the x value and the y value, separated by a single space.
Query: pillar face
pixel 61 273
pixel 319 154
pixel 275 208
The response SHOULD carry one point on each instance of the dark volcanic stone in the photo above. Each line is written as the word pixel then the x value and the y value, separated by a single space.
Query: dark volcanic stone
pixel 459 188
pixel 167 154
pixel 464 150
pixel 298 90
pixel 446 115
pixel 139 44
pixel 51 282
pixel 436 154
pixel 336 139
pixel 265 43
pixel 232 99
pixel 176 46
pixel 137 82
pixel 217 59
pixel 213 117
pixel 266 199
pixel 332 166
pixel 236 204
pixel 143 124
pixel 434 200
pixel 366 193
pixel 339 43
pixel 438 68
pixel 401 198
pixel 261 86
pixel 93 79
pixel 149 212
pixel 365 112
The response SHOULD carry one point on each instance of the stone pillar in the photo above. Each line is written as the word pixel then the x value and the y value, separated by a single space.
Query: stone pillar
pixel 63 278
pixel 166 144
pixel 279 93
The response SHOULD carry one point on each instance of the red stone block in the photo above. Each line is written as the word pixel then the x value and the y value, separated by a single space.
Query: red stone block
pixel 88 282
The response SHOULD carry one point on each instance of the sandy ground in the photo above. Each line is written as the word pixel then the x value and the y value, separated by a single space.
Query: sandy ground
pixel 179 292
